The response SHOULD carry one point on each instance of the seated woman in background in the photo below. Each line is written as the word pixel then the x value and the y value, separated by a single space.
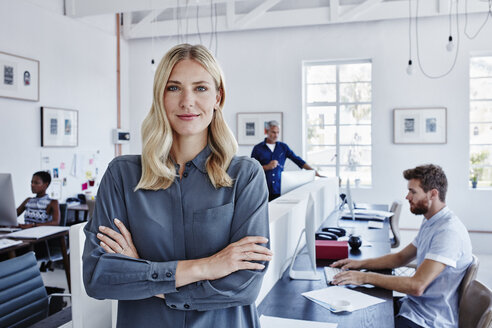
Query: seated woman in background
pixel 40 210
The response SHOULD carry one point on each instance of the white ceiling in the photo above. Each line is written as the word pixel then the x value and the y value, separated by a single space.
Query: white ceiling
pixel 147 18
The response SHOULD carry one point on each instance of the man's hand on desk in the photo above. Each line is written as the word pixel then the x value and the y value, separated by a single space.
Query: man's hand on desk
pixel 347 264
pixel 350 277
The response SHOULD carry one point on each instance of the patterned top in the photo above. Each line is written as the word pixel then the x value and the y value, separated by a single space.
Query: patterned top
pixel 36 210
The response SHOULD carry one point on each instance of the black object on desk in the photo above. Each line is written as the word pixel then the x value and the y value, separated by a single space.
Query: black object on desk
pixel 285 299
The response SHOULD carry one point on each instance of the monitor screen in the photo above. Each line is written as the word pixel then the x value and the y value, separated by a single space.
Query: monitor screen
pixel 294 179
pixel 8 212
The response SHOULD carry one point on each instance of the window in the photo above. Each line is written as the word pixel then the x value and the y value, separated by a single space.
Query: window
pixel 337 104
pixel 481 122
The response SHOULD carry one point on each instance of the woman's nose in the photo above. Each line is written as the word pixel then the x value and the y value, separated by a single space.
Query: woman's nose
pixel 187 99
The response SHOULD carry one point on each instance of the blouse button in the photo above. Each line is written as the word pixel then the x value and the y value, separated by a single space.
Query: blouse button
pixel 186 306
pixel 173 306
pixel 169 274
pixel 185 174
pixel 188 164
pixel 155 275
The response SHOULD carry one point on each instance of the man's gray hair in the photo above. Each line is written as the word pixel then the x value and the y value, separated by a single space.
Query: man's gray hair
pixel 272 123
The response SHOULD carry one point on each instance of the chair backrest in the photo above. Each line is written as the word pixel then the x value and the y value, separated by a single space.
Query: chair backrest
pixel 63 214
pixel 86 311
pixel 22 293
pixel 476 307
pixel 395 223
pixel 470 275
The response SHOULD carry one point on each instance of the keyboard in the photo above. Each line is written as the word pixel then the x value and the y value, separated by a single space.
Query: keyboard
pixel 330 273
pixel 5 243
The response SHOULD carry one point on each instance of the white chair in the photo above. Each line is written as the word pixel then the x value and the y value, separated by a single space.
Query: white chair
pixel 395 223
pixel 476 307
pixel 86 311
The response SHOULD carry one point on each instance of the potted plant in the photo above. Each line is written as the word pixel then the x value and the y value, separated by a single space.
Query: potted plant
pixel 473 180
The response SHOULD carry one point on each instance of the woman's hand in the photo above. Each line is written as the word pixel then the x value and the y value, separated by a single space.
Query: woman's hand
pixel 114 242
pixel 347 264
pixel 238 256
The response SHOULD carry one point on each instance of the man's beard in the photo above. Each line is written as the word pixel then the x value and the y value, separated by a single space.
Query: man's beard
pixel 420 208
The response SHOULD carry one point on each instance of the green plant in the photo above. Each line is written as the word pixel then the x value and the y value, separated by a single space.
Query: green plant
pixel 476 161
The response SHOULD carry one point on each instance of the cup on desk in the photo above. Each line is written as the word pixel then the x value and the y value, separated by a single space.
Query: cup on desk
pixel 341 305
pixel 355 242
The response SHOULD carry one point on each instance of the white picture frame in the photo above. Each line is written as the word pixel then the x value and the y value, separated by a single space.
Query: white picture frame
pixel 419 125
pixel 59 127
pixel 19 77
pixel 251 127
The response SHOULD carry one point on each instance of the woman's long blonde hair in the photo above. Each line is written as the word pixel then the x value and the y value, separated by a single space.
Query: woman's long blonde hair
pixel 158 171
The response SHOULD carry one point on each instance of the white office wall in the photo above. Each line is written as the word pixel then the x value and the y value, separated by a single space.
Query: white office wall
pixel 263 72
pixel 77 71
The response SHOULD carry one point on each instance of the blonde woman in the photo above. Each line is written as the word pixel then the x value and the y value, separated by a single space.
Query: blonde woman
pixel 180 234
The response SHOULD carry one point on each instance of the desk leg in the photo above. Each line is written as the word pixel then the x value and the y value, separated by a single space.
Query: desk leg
pixel 66 262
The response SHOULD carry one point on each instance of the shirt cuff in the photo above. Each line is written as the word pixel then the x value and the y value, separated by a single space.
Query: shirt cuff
pixel 162 272
pixel 441 259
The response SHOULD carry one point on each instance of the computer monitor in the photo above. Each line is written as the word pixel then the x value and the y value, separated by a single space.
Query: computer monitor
pixel 294 179
pixel 310 228
pixel 348 199
pixel 8 212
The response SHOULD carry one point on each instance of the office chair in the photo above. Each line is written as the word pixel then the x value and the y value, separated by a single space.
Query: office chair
pixel 23 296
pixel 54 251
pixel 476 307
pixel 395 223
pixel 470 275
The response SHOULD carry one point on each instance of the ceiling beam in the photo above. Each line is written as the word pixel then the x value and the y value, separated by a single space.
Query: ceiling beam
pixel 360 9
pixel 334 10
pixel 255 13
pixel 147 19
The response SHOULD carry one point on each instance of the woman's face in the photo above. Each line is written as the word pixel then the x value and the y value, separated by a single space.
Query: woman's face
pixel 37 185
pixel 190 98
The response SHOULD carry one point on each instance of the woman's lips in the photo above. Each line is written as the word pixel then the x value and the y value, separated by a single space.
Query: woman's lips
pixel 188 117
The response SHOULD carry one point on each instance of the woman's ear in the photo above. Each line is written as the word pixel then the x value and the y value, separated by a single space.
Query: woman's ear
pixel 218 98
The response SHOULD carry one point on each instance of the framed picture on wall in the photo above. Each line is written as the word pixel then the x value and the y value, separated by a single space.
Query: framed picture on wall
pixel 59 127
pixel 419 126
pixel 251 127
pixel 19 77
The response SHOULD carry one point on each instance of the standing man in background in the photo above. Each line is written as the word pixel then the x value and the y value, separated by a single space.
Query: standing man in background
pixel 272 155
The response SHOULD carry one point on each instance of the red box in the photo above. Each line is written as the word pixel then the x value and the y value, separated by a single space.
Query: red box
pixel 331 249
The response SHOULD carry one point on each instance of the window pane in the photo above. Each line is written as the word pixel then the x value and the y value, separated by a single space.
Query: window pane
pixel 322 135
pixel 481 88
pixel 321 155
pixel 355 135
pixel 355 114
pixel 353 156
pixel 481 111
pixel 485 179
pixel 480 155
pixel 321 93
pixel 322 115
pixel 355 92
pixel 327 171
pixel 480 133
pixel 355 72
pixel 321 74
pixel 481 67
pixel 362 173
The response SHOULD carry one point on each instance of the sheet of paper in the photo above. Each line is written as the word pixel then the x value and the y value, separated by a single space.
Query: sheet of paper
pixel 327 296
pixel 37 232
pixel 275 322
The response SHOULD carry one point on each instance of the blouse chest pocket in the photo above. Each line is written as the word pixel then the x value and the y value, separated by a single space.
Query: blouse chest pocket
pixel 211 229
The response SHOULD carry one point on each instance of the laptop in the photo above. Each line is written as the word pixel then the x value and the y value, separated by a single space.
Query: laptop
pixel 8 211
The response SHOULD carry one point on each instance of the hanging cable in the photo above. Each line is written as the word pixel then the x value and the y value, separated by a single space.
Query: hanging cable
pixel 489 14
pixel 410 66
pixel 198 24
pixel 187 20
pixel 215 31
pixel 211 24
pixel 418 49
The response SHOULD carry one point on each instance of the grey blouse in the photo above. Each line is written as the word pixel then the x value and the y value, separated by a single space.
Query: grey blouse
pixel 189 220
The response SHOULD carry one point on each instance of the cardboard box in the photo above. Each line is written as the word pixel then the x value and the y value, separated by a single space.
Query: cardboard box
pixel 331 249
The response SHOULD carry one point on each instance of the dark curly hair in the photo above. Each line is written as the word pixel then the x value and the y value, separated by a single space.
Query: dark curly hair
pixel 431 177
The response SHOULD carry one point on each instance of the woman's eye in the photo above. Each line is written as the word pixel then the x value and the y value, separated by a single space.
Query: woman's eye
pixel 172 88
pixel 201 88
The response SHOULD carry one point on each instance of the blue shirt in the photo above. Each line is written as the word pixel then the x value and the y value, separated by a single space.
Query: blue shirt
pixel 189 220
pixel 264 155
pixel 442 238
